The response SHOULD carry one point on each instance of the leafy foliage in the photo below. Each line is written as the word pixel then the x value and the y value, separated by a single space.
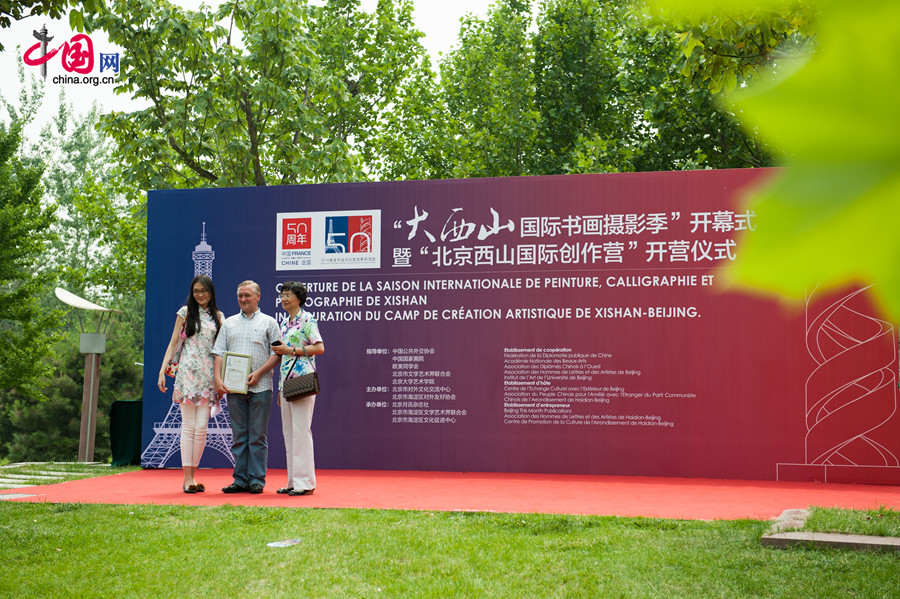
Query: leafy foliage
pixel 488 89
pixel 294 99
pixel 92 243
pixel 26 330
pixel 829 218
pixel 99 253
pixel 584 86
pixel 723 53
pixel 101 218
pixel 49 429
pixel 15 10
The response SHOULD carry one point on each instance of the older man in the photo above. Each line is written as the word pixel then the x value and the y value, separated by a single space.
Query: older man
pixel 249 332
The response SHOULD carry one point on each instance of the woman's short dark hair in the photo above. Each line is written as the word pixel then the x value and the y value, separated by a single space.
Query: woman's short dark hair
pixel 298 289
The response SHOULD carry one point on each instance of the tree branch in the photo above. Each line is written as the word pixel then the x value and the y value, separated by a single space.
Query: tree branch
pixel 253 134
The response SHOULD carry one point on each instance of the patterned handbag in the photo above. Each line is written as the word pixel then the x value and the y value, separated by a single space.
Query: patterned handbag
pixel 298 387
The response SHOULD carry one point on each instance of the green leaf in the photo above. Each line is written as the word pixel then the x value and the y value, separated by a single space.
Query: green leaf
pixel 688 44
pixel 812 230
pixel 830 217
pixel 76 20
pixel 697 10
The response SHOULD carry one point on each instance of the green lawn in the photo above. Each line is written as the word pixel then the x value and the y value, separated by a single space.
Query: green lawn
pixel 173 551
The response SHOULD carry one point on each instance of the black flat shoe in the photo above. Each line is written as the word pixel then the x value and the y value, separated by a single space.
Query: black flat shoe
pixel 234 489
pixel 190 489
pixel 296 492
pixel 284 490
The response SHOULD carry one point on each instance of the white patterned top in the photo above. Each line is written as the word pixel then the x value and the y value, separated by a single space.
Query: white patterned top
pixel 194 382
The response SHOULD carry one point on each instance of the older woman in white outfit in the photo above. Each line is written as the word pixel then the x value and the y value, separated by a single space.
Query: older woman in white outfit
pixel 301 343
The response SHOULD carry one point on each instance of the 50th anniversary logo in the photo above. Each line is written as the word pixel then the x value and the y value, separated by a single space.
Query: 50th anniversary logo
pixel 77 57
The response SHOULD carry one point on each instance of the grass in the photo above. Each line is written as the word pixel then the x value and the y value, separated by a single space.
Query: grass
pixel 66 550
pixel 882 522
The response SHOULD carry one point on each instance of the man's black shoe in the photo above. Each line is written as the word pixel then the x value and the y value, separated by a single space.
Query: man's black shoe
pixel 255 489
pixel 232 488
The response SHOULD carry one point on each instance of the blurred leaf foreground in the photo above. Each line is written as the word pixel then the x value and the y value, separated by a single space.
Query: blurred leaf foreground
pixel 831 114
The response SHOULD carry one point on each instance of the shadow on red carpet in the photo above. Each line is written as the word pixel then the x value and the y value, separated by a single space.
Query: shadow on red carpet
pixel 683 498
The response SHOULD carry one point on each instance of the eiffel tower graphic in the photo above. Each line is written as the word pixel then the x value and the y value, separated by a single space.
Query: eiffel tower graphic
pixel 167 434
pixel 167 437
pixel 203 256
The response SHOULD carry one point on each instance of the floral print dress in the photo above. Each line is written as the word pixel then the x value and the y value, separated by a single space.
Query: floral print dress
pixel 194 382
pixel 297 332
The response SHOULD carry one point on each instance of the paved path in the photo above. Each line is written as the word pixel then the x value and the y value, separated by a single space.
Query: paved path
pixel 30 474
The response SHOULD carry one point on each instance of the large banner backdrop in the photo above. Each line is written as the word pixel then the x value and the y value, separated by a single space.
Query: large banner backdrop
pixel 565 324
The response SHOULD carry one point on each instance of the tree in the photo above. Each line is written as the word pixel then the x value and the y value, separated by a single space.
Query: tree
pixel 682 125
pixel 372 56
pixel 99 253
pixel 487 86
pixel 16 10
pixel 100 227
pixel 578 92
pixel 49 429
pixel 584 86
pixel 412 137
pixel 286 93
pixel 27 330
pixel 100 236
pixel 94 247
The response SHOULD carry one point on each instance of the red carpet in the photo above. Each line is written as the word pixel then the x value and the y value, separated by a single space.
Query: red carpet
pixel 685 498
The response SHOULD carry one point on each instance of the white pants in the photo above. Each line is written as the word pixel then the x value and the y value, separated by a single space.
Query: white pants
pixel 194 421
pixel 296 420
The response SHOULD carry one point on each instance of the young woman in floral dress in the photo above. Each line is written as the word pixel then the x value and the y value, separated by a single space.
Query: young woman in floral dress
pixel 196 326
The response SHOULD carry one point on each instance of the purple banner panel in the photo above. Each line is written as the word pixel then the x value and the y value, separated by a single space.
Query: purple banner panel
pixel 565 324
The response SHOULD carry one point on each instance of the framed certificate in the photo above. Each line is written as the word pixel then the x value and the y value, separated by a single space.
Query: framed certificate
pixel 235 370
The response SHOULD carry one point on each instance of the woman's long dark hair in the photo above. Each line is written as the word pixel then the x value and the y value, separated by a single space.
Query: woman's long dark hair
pixel 192 322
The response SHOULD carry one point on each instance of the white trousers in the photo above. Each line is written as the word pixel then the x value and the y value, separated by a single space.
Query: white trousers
pixel 194 421
pixel 296 420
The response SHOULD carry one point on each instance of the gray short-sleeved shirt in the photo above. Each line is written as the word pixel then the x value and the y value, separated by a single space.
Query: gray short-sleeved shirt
pixel 251 335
